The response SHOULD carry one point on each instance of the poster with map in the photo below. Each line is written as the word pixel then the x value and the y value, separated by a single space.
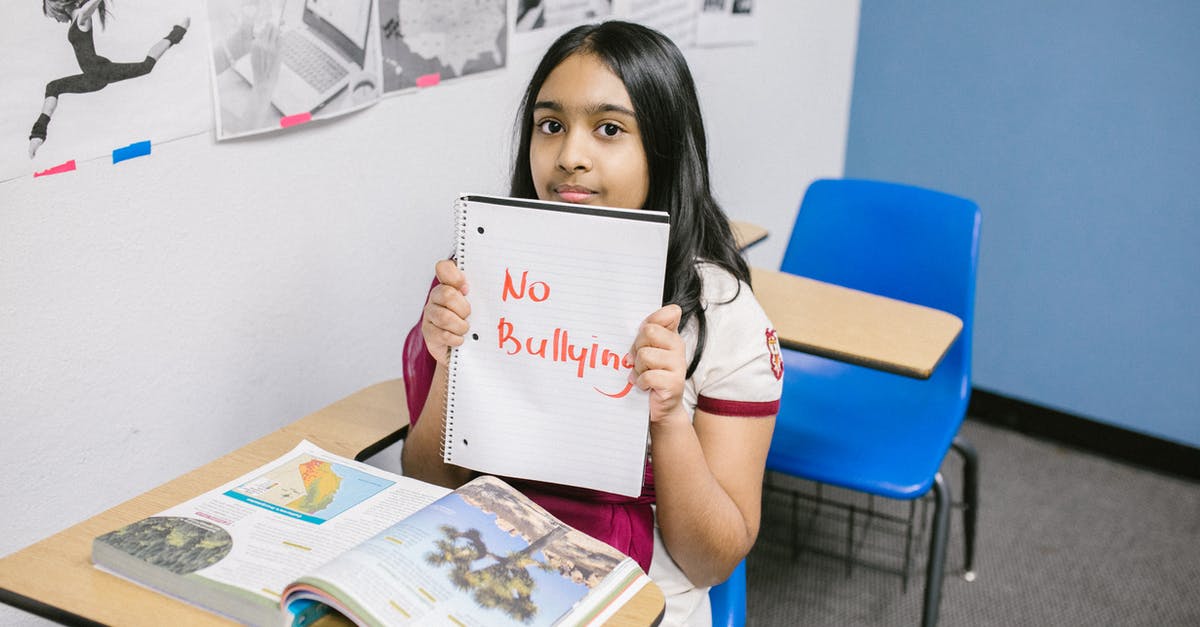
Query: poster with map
pixel 425 42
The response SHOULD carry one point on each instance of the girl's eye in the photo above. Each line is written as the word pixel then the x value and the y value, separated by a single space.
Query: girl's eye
pixel 610 130
pixel 550 127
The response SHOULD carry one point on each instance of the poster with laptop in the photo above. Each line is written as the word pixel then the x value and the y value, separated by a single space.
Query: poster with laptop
pixel 425 42
pixel 278 63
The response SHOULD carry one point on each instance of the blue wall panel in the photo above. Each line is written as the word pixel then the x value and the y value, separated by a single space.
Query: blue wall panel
pixel 1076 127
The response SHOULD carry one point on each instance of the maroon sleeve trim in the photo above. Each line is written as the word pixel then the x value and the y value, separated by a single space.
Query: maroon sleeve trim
pixel 740 409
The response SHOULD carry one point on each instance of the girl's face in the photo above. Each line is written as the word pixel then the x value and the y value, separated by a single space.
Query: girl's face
pixel 585 146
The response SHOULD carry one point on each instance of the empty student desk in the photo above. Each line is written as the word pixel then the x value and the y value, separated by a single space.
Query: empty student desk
pixel 55 578
pixel 853 326
pixel 846 324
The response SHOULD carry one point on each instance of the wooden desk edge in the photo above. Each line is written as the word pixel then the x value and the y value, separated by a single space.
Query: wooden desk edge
pixel 746 234
pixel 853 358
pixel 350 427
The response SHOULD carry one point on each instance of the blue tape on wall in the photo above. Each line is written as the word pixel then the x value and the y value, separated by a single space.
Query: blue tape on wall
pixel 136 149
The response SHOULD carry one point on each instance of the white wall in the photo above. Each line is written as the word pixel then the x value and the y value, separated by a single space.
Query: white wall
pixel 160 313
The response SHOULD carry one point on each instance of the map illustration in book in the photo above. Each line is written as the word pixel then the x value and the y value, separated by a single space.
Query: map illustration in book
pixel 310 488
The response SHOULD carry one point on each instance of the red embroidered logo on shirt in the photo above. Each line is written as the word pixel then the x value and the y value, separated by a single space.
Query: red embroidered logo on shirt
pixel 774 354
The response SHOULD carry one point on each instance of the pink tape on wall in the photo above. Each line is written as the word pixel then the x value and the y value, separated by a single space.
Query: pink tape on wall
pixel 58 169
pixel 429 80
pixel 293 120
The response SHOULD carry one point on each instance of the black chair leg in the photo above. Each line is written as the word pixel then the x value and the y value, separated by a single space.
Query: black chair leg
pixel 970 501
pixel 935 569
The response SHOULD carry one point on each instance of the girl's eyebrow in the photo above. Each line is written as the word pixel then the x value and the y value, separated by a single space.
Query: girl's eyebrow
pixel 591 109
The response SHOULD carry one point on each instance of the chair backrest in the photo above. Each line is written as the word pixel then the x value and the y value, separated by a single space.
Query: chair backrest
pixel 900 241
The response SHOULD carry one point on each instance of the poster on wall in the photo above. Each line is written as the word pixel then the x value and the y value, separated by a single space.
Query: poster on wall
pixel 727 22
pixel 537 23
pixel 85 79
pixel 674 18
pixel 533 15
pixel 277 63
pixel 425 42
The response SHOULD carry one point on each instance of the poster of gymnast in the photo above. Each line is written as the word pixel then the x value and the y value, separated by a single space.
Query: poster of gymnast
pixel 84 77
pixel 276 63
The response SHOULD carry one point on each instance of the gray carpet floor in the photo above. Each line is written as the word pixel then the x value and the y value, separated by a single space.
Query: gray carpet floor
pixel 1064 538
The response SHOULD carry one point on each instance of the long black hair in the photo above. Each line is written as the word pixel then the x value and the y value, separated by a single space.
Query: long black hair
pixel 64 10
pixel 664 101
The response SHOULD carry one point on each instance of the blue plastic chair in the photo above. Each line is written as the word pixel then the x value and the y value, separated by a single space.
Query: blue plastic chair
pixel 864 429
pixel 728 599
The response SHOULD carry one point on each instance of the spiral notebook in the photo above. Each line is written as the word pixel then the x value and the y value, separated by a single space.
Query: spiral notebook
pixel 540 388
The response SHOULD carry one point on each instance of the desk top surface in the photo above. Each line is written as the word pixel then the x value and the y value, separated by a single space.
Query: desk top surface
pixel 847 324
pixel 854 326
pixel 55 577
pixel 746 234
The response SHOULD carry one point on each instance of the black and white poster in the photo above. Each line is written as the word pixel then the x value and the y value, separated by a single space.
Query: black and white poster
pixel 85 78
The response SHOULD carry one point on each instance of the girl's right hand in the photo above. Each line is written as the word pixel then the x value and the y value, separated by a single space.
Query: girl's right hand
pixel 444 321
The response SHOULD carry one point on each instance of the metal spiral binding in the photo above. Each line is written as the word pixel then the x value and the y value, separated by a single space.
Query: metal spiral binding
pixel 460 255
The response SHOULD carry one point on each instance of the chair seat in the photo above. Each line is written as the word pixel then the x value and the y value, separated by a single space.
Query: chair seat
pixel 864 429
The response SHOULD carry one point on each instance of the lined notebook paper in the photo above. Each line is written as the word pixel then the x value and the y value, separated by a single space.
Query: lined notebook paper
pixel 540 388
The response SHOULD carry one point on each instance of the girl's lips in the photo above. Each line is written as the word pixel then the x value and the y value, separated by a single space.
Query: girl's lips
pixel 574 194
pixel 575 197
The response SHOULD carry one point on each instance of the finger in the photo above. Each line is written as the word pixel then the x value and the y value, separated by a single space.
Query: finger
pixel 449 274
pixel 660 384
pixel 667 316
pixel 442 337
pixel 450 298
pixel 650 358
pixel 655 336
pixel 446 320
pixel 659 327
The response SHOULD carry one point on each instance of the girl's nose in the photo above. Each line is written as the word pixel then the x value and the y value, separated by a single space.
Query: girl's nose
pixel 574 154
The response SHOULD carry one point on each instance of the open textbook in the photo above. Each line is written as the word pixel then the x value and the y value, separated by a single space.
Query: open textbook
pixel 312 535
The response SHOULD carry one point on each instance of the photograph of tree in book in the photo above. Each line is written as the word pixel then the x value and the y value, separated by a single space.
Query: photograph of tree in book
pixel 501 582
pixel 508 557
pixel 180 545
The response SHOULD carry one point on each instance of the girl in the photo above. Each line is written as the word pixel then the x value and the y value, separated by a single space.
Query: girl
pixel 98 71
pixel 611 118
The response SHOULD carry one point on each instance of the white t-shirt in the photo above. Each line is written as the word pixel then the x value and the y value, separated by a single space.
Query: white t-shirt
pixel 739 374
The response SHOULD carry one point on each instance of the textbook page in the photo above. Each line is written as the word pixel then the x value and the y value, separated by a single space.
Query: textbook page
pixel 482 555
pixel 540 389
pixel 234 549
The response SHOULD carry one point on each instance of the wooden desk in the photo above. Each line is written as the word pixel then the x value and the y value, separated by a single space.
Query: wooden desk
pixel 746 234
pixel 55 578
pixel 853 326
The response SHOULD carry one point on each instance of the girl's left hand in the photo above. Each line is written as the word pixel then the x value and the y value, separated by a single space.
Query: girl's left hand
pixel 659 364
